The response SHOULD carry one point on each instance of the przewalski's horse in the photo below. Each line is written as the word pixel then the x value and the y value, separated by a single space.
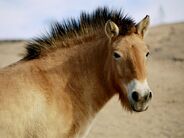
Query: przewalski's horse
pixel 68 76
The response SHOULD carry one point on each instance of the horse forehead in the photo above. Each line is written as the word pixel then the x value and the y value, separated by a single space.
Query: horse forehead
pixel 131 41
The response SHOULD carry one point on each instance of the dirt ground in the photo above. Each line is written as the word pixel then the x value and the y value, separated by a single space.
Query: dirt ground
pixel 165 116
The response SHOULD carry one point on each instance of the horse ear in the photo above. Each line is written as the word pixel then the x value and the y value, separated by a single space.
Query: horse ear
pixel 111 29
pixel 142 26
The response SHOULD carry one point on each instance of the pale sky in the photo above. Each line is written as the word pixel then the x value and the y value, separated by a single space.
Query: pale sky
pixel 29 18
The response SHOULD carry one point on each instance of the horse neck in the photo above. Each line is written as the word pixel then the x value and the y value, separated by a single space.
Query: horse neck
pixel 87 69
pixel 93 71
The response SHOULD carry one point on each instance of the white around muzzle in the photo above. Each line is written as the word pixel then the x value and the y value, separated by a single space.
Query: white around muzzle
pixel 139 95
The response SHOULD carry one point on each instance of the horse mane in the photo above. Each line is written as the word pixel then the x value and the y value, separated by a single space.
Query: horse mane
pixel 88 23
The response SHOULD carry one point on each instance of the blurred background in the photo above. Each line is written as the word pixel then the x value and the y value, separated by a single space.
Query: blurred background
pixel 21 20
pixel 27 18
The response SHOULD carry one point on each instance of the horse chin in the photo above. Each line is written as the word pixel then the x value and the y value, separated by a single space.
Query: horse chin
pixel 138 109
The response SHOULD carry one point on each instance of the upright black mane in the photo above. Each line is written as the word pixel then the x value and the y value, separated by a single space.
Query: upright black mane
pixel 76 27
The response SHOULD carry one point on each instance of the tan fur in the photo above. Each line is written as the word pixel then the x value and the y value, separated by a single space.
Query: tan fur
pixel 59 94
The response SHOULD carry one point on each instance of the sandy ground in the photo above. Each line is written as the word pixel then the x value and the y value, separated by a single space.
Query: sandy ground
pixel 165 117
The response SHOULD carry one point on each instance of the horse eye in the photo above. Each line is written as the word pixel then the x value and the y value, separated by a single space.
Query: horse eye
pixel 147 54
pixel 117 55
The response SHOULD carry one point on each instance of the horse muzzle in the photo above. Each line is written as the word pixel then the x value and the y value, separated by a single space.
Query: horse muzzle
pixel 139 95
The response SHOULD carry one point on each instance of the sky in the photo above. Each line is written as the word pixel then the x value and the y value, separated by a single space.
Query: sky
pixel 26 19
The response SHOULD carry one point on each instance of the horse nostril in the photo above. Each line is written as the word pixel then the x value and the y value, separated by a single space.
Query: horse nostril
pixel 135 96
pixel 150 95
